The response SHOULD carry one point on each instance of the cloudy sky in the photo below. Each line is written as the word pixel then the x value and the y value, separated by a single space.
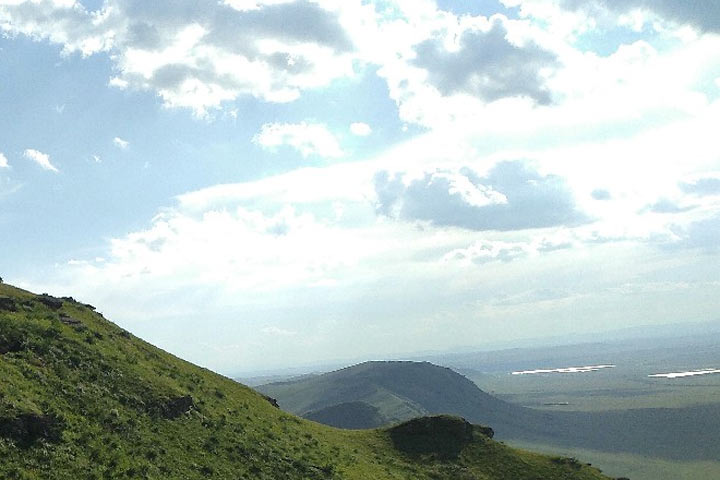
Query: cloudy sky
pixel 251 184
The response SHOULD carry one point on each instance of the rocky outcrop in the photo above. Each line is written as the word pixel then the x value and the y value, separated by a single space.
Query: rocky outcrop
pixel 49 301
pixel 487 431
pixel 441 436
pixel 271 401
pixel 7 304
pixel 177 406
pixel 68 320
pixel 28 428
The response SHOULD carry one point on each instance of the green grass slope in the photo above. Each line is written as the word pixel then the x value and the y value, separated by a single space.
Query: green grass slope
pixel 80 398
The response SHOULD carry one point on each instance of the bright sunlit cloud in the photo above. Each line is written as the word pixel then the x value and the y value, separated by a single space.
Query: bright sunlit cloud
pixel 120 143
pixel 360 129
pixel 42 159
pixel 306 138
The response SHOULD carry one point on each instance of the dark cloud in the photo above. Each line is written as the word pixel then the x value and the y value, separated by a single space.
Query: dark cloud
pixel 702 186
pixel 702 14
pixel 487 65
pixel 516 197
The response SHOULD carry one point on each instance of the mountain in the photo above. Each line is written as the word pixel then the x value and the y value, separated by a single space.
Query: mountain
pixel 82 398
pixel 398 391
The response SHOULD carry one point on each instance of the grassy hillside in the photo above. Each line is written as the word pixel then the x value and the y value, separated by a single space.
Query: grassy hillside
pixel 82 398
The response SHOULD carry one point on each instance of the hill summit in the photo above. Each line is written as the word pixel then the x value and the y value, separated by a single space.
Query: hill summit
pixel 82 398
pixel 372 394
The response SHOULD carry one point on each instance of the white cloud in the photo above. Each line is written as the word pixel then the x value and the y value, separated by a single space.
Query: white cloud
pixel 40 158
pixel 64 22
pixel 4 161
pixel 199 54
pixel 243 5
pixel 511 196
pixel 448 232
pixel 360 129
pixel 485 61
pixel 277 255
pixel 275 331
pixel 120 143
pixel 306 138
pixel 701 14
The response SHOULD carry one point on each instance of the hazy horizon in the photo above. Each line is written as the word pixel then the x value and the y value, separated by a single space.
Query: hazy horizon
pixel 249 184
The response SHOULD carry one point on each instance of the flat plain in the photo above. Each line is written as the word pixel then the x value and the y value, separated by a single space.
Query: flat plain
pixel 626 388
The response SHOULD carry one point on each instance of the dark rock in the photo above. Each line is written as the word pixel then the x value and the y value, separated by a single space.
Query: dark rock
pixel 177 406
pixel 49 301
pixel 7 304
pixel 10 345
pixel 442 436
pixel 72 300
pixel 68 320
pixel 272 401
pixel 483 430
pixel 27 428
pixel 567 461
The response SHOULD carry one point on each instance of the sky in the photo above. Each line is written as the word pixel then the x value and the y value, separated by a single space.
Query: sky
pixel 256 184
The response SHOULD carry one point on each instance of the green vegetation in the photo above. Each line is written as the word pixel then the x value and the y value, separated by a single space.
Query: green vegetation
pixel 685 434
pixel 82 398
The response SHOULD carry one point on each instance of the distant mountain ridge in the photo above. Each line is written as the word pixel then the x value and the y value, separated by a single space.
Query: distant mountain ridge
pixel 400 391
pixel 403 390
